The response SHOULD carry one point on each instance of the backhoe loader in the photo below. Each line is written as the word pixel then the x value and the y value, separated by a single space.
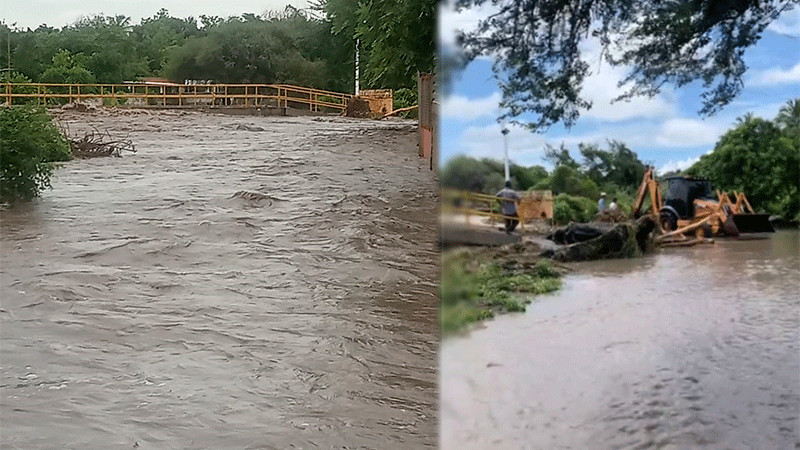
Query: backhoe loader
pixel 692 206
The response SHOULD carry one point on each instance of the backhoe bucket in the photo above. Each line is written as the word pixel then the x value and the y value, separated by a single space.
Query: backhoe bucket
pixel 753 223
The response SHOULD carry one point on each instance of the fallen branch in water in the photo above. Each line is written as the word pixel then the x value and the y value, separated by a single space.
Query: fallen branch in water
pixel 95 143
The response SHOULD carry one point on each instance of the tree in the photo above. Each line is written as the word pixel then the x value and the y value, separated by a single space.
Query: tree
pixel 397 39
pixel 66 69
pixel 789 118
pixel 537 46
pixel 280 47
pixel 567 180
pixel 527 177
pixel 470 174
pixel 156 36
pixel 758 158
pixel 618 165
pixel 559 156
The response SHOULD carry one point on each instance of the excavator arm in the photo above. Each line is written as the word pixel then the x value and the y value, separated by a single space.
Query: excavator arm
pixel 649 185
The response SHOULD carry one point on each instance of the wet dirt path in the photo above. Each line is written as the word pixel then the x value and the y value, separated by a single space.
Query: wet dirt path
pixel 688 348
pixel 238 282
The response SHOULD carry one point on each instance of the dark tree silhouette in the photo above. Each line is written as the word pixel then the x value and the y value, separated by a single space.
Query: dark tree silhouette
pixel 537 46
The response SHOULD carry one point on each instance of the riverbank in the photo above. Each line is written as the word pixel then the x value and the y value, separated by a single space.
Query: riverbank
pixel 478 283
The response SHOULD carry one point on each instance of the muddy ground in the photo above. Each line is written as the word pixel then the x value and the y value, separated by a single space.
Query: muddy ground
pixel 238 282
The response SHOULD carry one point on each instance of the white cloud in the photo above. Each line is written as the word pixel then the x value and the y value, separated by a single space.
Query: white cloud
pixel 58 13
pixel 777 75
pixel 788 23
pixel 688 133
pixel 601 87
pixel 683 164
pixel 738 109
pixel 486 141
pixel 451 21
pixel 458 107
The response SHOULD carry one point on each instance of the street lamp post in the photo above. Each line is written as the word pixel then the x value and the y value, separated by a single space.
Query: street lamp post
pixel 505 148
pixel 358 44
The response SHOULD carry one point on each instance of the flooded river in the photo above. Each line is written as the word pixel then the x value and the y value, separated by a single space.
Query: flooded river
pixel 239 282
pixel 696 347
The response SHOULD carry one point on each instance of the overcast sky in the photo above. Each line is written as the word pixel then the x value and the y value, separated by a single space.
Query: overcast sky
pixel 57 13
pixel 665 130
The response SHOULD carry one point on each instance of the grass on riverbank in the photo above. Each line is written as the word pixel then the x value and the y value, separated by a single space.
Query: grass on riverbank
pixel 475 288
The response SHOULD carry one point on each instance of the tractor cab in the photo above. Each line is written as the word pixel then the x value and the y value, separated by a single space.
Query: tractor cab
pixel 682 191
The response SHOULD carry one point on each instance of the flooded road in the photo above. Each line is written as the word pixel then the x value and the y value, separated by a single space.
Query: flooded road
pixel 696 347
pixel 239 282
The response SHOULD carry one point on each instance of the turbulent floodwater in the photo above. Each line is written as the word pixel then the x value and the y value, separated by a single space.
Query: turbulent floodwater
pixel 238 282
pixel 694 347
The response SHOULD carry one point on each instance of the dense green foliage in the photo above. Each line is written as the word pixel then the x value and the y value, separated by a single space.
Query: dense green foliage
pixel 568 208
pixel 576 186
pixel 762 159
pixel 29 144
pixel 473 290
pixel 290 46
pixel 540 53
pixel 396 39
pixel 486 175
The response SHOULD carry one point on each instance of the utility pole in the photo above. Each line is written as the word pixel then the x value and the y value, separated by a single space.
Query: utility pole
pixel 358 41
pixel 505 148
pixel 8 50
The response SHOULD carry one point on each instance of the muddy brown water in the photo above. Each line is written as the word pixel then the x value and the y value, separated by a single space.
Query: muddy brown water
pixel 227 286
pixel 689 348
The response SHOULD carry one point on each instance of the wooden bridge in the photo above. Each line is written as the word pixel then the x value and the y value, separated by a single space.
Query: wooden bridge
pixel 173 95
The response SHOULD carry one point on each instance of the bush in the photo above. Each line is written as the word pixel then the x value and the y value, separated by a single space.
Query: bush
pixel 567 180
pixel 568 208
pixel 16 78
pixel 403 98
pixel 29 144
pixel 473 290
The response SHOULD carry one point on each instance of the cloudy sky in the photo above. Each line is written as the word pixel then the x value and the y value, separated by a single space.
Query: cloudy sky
pixel 57 13
pixel 665 130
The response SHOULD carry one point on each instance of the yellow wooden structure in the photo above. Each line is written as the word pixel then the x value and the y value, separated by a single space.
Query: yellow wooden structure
pixel 177 95
pixel 533 205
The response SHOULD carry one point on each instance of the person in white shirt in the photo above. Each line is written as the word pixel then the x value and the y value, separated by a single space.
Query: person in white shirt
pixel 613 208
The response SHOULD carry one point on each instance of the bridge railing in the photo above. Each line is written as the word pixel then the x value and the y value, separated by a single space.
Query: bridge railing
pixel 176 95
pixel 532 206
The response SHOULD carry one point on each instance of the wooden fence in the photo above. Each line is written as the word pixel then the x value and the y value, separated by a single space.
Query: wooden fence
pixel 177 95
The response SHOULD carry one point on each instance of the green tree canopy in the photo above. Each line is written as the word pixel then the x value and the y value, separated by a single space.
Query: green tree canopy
pixel 397 39
pixel 758 158
pixel 29 143
pixel 618 165
pixel 288 46
pixel 66 69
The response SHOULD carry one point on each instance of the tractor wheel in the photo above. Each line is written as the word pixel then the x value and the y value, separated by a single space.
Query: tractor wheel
pixel 669 220
pixel 707 229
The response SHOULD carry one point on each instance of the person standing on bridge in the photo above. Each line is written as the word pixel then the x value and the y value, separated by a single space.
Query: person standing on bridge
pixel 601 204
pixel 509 207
